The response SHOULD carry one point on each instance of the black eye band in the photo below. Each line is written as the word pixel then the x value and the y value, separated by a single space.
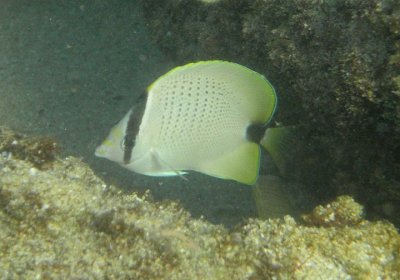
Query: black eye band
pixel 127 144
pixel 132 129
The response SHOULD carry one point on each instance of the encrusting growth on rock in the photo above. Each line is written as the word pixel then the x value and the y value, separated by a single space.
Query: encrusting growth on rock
pixel 64 222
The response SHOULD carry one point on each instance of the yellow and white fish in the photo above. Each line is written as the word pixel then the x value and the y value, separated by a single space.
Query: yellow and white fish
pixel 203 116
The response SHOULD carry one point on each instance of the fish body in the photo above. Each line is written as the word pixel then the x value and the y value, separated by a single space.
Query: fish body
pixel 196 117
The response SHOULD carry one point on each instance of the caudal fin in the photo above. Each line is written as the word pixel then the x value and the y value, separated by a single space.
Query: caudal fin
pixel 277 141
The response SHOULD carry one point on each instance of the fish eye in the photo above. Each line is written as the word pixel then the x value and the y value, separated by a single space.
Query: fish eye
pixel 122 144
pixel 126 143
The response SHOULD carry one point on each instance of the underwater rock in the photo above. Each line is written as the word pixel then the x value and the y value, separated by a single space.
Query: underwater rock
pixel 341 212
pixel 40 151
pixel 65 223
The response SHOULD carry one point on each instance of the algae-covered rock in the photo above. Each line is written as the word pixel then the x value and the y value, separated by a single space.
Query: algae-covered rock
pixel 341 212
pixel 65 223
pixel 335 66
pixel 41 151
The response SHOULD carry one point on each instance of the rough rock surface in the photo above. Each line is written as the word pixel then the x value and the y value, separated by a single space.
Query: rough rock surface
pixel 63 222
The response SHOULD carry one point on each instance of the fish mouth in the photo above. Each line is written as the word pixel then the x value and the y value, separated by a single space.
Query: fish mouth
pixel 100 152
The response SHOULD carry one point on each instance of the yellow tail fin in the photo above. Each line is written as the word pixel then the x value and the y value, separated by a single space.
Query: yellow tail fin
pixel 277 141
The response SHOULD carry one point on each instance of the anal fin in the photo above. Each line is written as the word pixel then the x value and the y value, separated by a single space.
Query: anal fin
pixel 241 164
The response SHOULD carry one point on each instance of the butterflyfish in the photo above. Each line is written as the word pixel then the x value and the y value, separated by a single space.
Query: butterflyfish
pixel 203 116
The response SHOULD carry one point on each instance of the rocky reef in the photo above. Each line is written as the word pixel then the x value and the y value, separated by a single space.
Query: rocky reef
pixel 335 66
pixel 63 222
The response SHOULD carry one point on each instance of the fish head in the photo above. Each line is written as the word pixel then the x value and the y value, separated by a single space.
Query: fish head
pixel 113 147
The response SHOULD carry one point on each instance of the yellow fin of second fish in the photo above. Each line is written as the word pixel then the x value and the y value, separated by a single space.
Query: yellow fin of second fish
pixel 240 165
pixel 272 198
pixel 278 142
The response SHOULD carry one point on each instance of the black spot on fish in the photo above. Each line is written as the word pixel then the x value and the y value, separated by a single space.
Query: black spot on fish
pixel 255 132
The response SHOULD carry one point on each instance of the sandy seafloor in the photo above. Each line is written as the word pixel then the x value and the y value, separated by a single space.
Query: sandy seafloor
pixel 72 69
